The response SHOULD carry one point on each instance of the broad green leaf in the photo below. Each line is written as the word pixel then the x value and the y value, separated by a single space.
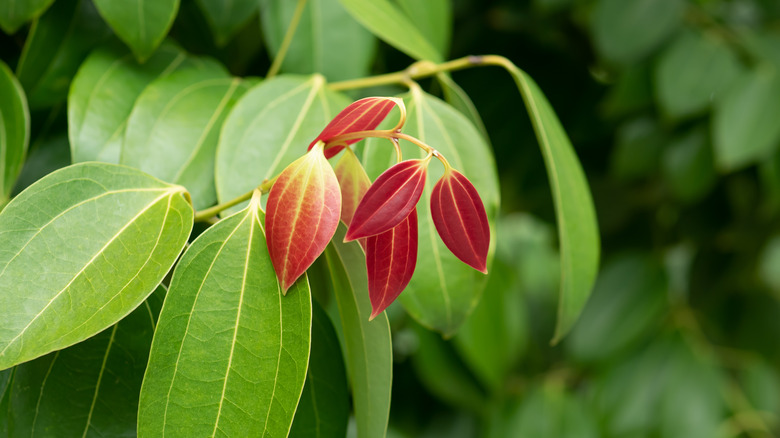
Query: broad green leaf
pixel 433 18
pixel 14 13
pixel 90 389
pixel 457 97
pixel 743 126
pixel 230 353
pixel 14 131
pixel 627 305
pixel 57 44
pixel 173 130
pixel 226 18
pixel 443 290
pixel 99 238
pixel 385 20
pixel 141 24
pixel 687 166
pixel 368 347
pixel 692 73
pixel 5 379
pixel 441 371
pixel 577 226
pixel 323 411
pixel 624 31
pixel 327 40
pixel 270 127
pixel 103 93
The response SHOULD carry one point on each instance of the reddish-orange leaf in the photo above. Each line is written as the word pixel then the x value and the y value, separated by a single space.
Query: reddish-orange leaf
pixel 362 115
pixel 354 184
pixel 460 219
pixel 390 259
pixel 389 200
pixel 303 212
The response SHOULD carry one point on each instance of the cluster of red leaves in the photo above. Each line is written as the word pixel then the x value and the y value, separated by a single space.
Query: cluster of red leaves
pixel 309 198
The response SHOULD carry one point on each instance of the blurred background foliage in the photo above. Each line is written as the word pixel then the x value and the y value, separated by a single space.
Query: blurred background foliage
pixel 674 109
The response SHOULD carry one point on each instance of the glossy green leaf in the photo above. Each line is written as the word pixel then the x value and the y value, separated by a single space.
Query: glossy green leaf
pixel 230 353
pixel 627 305
pixel 385 20
pixel 99 238
pixel 369 351
pixel 173 130
pixel 141 24
pixel 577 226
pixel 688 166
pixel 102 95
pixel 443 374
pixel 316 47
pixel 269 128
pixel 743 127
pixel 226 18
pixel 692 73
pixel 433 18
pixel 14 13
pixel 624 31
pixel 90 389
pixel 14 130
pixel 57 44
pixel 443 290
pixel 323 411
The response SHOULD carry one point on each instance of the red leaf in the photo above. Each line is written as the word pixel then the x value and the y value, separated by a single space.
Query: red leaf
pixel 362 115
pixel 390 259
pixel 303 213
pixel 389 200
pixel 354 184
pixel 460 219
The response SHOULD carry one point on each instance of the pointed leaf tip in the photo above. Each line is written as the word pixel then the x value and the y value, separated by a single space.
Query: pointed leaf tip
pixel 390 259
pixel 362 115
pixel 460 219
pixel 389 200
pixel 303 212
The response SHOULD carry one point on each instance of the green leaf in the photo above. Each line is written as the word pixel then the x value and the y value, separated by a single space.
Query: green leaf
pixel 226 18
pixel 103 93
pixel 388 22
pixel 57 44
pixel 14 13
pixel 577 226
pixel 99 238
pixel 327 40
pixel 141 24
pixel 269 128
pixel 625 31
pixel 688 166
pixel 14 131
pixel 48 154
pixel 692 73
pixel 6 377
pixel 433 18
pixel 323 411
pixel 90 389
pixel 443 290
pixel 627 305
pixel 230 353
pixel 173 130
pixel 743 126
pixel 369 351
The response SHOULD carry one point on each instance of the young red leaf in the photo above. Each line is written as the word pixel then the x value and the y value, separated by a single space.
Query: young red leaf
pixel 303 213
pixel 460 219
pixel 390 259
pixel 389 200
pixel 354 184
pixel 362 115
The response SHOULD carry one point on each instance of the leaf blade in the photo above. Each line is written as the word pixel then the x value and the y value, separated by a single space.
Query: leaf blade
pixel 142 26
pixel 14 131
pixel 14 13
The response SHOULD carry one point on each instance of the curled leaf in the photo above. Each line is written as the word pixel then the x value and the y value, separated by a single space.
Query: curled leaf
pixel 354 184
pixel 389 200
pixel 303 213
pixel 390 259
pixel 362 115
pixel 460 219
